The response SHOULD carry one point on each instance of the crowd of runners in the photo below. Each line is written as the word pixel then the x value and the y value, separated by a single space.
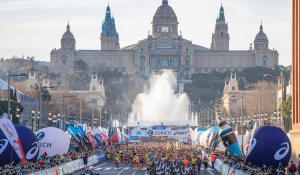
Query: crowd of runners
pixel 159 158
pixel 172 158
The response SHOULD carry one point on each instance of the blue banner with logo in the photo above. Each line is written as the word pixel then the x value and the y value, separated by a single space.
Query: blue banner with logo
pixel 72 131
pixel 159 127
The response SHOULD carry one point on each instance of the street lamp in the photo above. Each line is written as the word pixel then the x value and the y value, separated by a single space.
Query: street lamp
pixel 32 119
pixel 8 91
pixel 58 116
pixel 105 112
pixel 281 78
pixel 64 108
pixel 81 108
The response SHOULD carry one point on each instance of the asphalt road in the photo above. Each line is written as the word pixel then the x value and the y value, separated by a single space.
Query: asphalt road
pixel 104 169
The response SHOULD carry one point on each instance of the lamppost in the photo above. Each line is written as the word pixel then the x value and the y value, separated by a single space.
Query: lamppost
pixel 105 112
pixel 58 116
pixel 54 120
pixel 63 128
pixel 8 90
pixel 32 119
pixel 40 100
pixel 49 118
pixel 281 78
pixel 81 108
pixel 18 114
pixel 38 117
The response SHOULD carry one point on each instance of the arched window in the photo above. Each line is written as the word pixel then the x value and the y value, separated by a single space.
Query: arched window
pixel 164 44
pixel 175 61
pixel 142 49
pixel 233 88
pixel 94 88
pixel 221 33
pixel 164 61
pixel 153 61
pixel 142 62
pixel 187 49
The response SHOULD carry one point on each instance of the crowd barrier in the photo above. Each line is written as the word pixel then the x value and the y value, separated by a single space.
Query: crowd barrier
pixel 70 167
pixel 225 169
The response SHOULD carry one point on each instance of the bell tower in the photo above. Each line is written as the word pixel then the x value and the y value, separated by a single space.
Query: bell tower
pixel 32 78
pixel 233 84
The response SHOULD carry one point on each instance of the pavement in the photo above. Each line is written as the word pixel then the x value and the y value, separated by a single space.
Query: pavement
pixel 104 169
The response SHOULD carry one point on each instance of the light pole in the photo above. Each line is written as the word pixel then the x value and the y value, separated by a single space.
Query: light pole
pixel 40 100
pixel 105 112
pixel 32 119
pixel 64 108
pixel 8 91
pixel 58 116
pixel 281 77
pixel 81 108
pixel 18 114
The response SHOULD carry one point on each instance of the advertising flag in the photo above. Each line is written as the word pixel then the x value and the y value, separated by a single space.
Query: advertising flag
pixel 95 141
pixel 72 131
pixel 104 138
pixel 12 136
pixel 91 139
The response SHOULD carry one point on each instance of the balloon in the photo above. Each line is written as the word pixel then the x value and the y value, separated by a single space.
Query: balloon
pixel 53 141
pixel 29 144
pixel 205 136
pixel 270 146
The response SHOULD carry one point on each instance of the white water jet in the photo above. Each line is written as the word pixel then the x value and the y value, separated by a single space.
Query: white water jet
pixel 160 104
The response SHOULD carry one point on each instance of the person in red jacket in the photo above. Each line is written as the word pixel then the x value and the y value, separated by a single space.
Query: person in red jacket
pixel 292 168
pixel 213 159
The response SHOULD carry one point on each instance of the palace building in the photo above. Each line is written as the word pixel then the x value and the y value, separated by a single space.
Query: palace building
pixel 163 48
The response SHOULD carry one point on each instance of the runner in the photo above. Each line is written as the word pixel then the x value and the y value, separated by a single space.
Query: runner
pixel 107 157
pixel 126 158
pixel 205 160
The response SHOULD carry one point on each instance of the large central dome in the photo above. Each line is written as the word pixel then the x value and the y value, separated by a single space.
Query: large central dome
pixel 164 13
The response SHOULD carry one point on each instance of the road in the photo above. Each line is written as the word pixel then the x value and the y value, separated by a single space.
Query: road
pixel 104 169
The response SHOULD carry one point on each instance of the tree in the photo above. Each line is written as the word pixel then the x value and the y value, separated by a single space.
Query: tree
pixel 81 65
pixel 241 83
pixel 2 59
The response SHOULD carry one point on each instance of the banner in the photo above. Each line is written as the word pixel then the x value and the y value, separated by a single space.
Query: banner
pixel 91 139
pixel 72 131
pixel 179 133
pixel 95 141
pixel 104 138
pixel 12 136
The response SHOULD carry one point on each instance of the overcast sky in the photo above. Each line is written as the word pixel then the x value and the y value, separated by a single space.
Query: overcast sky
pixel 35 27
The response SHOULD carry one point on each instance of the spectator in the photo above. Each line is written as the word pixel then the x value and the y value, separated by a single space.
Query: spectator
pixel 85 160
pixel 292 169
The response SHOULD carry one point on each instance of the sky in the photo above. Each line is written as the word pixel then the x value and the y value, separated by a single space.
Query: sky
pixel 35 27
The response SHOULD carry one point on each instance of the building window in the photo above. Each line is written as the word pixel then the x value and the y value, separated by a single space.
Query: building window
pixel 205 69
pixel 187 62
pixel 164 61
pixel 32 74
pixel 233 88
pixel 142 49
pixel 236 69
pixel 264 62
pixel 123 69
pixel 64 62
pixel 164 44
pixel 153 61
pixel 172 28
pixel 94 88
pixel 164 28
pixel 233 77
pixel 108 69
pixel 187 49
pixel 221 33
pixel 94 77
pixel 227 83
pixel 220 69
pixel 116 69
pixel 198 69
pixel 228 69
pixel 142 62
pixel 175 61
pixel 213 69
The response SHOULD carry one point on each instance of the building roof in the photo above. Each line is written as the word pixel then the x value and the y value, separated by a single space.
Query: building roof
pixel 68 34
pixel 165 13
pixel 261 36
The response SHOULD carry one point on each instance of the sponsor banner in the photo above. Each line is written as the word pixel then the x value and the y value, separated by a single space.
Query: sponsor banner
pixel 59 170
pixel 65 169
pixel 159 133
pixel 100 156
pixel 91 139
pixel 104 138
pixel 42 172
pixel 12 136
pixel 158 127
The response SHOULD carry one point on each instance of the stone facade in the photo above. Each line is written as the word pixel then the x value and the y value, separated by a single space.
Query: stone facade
pixel 164 48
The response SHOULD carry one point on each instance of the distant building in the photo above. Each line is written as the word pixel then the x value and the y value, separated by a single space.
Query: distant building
pixel 164 48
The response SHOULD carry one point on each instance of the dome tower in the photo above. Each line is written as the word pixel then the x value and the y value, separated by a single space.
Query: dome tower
pixel 164 21
pixel 261 40
pixel 68 41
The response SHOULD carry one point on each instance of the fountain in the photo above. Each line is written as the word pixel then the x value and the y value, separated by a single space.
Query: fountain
pixel 160 105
